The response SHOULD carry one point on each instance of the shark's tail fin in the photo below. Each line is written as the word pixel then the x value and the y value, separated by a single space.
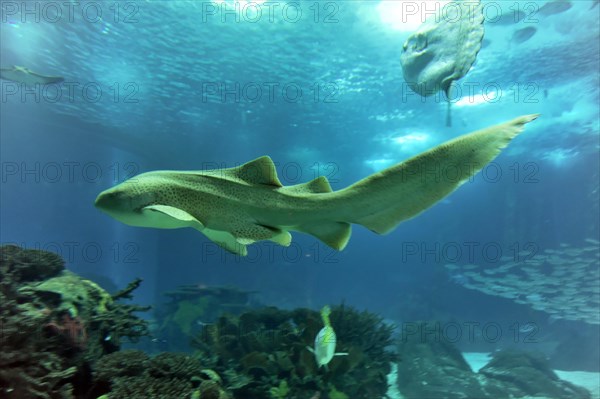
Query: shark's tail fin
pixel 383 200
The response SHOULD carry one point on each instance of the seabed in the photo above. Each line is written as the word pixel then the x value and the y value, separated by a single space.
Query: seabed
pixel 585 379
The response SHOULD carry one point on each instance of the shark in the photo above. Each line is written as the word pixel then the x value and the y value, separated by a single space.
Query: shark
pixel 20 74
pixel 236 207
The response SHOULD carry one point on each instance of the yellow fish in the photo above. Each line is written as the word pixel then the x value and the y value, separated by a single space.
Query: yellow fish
pixel 325 341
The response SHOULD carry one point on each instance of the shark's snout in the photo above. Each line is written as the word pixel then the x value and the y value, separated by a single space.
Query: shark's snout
pixel 111 200
pixel 120 201
pixel 103 201
pixel 98 201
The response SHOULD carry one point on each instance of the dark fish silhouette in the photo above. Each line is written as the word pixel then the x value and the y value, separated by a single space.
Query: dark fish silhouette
pixel 555 7
pixel 522 35
pixel 509 18
pixel 24 75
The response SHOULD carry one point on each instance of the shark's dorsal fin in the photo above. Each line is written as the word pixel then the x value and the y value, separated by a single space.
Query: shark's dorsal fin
pixel 316 186
pixel 259 171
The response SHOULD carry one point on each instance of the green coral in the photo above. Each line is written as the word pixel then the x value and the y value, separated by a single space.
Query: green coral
pixel 191 307
pixel 55 325
pixel 188 312
pixel 38 358
pixel 258 350
pixel 118 320
pixel 68 293
pixel 28 265
pixel 335 394
pixel 105 299
pixel 133 374
pixel 281 391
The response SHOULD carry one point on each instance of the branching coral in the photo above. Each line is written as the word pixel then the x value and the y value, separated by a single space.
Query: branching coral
pixel 71 327
pixel 54 325
pixel 119 321
pixel 30 366
pixel 281 391
pixel 133 374
pixel 192 306
pixel 260 349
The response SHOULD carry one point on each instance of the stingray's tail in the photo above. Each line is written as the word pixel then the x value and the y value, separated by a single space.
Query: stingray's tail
pixel 383 200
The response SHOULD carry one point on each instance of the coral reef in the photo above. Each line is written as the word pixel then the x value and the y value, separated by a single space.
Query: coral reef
pixel 192 306
pixel 60 338
pixel 263 353
pixel 31 366
pixel 119 320
pixel 132 374
pixel 54 326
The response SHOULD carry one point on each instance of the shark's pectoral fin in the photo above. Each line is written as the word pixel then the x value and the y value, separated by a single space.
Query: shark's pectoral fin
pixel 334 234
pixel 276 235
pixel 226 240
pixel 169 217
pixel 251 233
pixel 283 237
pixel 236 240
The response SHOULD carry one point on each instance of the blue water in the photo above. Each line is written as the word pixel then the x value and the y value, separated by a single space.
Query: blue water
pixel 170 85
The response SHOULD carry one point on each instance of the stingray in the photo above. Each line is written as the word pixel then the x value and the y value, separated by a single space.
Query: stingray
pixel 522 35
pixel 510 18
pixel 24 75
pixel 555 7
pixel 443 49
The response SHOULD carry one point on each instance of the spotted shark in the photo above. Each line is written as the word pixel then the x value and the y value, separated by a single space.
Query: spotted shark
pixel 238 206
